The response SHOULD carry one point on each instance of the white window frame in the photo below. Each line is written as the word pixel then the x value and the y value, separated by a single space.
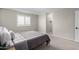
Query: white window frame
pixel 25 24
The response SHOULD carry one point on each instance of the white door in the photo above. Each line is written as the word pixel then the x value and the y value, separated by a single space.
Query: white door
pixel 77 26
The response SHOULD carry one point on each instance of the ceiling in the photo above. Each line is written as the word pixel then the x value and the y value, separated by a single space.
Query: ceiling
pixel 36 11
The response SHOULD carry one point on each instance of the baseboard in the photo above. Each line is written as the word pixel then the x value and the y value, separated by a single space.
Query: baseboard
pixel 56 35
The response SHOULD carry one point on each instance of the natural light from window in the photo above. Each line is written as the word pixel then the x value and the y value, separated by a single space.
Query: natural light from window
pixel 23 20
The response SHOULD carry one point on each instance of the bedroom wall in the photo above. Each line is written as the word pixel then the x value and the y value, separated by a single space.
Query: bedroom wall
pixel 64 23
pixel 9 20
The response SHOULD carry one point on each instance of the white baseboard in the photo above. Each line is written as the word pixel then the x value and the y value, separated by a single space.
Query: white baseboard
pixel 63 37
pixel 56 35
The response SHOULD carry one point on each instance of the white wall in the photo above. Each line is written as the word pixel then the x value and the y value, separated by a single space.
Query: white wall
pixel 9 20
pixel 42 23
pixel 64 23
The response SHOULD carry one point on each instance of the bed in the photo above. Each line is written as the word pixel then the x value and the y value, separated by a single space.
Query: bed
pixel 29 40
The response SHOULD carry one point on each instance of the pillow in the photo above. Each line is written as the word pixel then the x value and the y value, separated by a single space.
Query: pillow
pixel 12 35
pixel 5 37
pixel 5 29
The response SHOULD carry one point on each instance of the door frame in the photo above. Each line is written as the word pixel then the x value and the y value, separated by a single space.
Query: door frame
pixel 76 25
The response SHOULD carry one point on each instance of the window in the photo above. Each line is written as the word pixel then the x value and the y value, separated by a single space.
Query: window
pixel 23 20
pixel 27 20
pixel 20 20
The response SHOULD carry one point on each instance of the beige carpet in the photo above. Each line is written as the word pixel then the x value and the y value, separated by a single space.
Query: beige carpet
pixel 60 44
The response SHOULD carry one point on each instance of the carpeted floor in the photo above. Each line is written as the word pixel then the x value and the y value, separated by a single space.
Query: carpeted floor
pixel 60 44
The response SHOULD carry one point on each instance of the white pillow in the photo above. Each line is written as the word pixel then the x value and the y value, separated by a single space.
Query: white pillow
pixel 5 29
pixel 5 37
